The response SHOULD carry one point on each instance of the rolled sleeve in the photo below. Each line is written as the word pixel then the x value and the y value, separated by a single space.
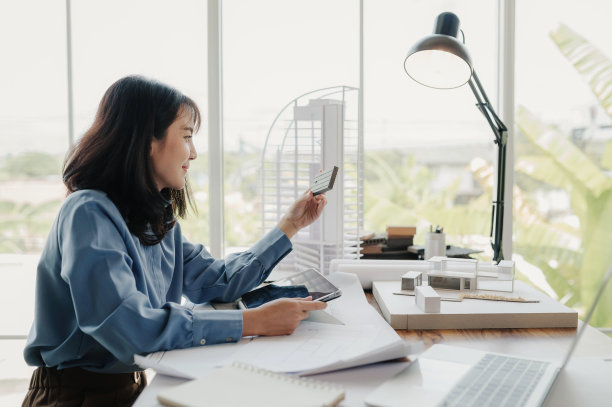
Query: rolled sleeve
pixel 207 279
pixel 219 326
pixel 272 248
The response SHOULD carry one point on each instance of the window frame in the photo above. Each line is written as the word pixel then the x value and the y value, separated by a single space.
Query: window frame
pixel 504 105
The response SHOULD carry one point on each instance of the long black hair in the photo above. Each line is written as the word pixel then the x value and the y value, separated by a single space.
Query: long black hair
pixel 114 154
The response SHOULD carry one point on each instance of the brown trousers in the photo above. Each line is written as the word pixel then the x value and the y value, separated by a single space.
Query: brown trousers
pixel 72 387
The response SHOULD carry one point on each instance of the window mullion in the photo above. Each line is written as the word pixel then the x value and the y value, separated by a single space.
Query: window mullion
pixel 505 102
pixel 215 129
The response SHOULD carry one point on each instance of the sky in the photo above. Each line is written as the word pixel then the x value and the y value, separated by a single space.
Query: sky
pixel 275 50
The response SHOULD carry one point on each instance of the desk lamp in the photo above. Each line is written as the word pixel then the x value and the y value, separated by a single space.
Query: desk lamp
pixel 440 61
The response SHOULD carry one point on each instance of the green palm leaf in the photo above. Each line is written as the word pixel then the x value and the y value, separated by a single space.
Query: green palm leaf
pixel 594 66
pixel 567 156
pixel 542 168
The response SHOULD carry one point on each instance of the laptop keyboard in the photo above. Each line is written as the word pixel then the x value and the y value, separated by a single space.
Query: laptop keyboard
pixel 497 381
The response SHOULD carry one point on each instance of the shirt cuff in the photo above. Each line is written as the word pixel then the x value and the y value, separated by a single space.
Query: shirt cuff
pixel 218 326
pixel 272 248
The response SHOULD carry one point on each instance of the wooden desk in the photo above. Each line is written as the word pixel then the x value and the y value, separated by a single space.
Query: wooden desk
pixel 431 337
pixel 547 343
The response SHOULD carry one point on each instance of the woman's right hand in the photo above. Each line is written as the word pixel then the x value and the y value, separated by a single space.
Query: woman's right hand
pixel 278 317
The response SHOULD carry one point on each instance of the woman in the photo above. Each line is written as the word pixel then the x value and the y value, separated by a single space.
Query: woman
pixel 115 265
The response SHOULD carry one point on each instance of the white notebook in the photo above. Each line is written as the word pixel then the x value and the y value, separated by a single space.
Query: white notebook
pixel 244 385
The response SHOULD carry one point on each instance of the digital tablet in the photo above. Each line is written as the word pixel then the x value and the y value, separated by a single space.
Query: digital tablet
pixel 303 284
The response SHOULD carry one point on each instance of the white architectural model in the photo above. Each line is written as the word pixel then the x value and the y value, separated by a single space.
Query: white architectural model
pixel 412 279
pixel 315 132
pixel 438 272
pixel 470 274
pixel 427 299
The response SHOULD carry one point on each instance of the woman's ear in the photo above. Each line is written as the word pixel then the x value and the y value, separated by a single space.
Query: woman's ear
pixel 154 148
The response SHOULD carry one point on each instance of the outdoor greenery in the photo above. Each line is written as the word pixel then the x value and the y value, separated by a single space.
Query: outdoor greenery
pixel 29 165
pixel 572 256
pixel 24 226
pixel 552 161
pixel 396 184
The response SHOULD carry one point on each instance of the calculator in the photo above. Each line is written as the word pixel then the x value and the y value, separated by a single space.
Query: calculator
pixel 324 181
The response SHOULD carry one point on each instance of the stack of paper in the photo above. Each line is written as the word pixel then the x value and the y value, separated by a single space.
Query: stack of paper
pixel 348 333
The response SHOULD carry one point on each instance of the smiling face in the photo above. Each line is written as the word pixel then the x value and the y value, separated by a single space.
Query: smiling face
pixel 171 155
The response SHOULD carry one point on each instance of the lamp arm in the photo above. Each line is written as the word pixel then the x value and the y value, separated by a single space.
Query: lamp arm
pixel 498 127
pixel 500 132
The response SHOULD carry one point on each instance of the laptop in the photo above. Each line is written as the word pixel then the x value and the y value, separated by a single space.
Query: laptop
pixel 447 375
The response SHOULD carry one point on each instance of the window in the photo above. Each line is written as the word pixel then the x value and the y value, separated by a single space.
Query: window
pixel 165 41
pixel 33 135
pixel 428 151
pixel 110 39
pixel 162 40
pixel 273 52
pixel 563 159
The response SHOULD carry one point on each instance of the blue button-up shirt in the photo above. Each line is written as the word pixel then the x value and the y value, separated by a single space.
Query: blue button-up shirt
pixel 102 296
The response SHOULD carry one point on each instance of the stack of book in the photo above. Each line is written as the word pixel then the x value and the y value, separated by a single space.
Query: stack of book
pixel 392 244
pixel 400 237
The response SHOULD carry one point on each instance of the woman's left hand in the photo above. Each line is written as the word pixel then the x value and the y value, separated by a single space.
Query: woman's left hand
pixel 302 213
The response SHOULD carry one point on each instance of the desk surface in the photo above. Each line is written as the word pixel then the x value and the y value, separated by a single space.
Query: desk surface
pixel 531 342
pixel 430 337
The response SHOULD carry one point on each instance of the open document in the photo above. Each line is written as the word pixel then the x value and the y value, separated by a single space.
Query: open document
pixel 348 333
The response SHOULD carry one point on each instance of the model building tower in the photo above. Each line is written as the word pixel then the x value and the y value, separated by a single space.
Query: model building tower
pixel 315 132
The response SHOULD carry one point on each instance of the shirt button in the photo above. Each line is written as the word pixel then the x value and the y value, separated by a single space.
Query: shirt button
pixel 228 339
pixel 202 341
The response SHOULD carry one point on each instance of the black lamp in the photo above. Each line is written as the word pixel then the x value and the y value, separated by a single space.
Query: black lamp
pixel 440 61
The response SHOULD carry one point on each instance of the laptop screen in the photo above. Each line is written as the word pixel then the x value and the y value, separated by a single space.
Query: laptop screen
pixel 602 286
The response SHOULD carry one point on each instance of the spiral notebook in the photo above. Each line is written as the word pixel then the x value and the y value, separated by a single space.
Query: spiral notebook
pixel 244 385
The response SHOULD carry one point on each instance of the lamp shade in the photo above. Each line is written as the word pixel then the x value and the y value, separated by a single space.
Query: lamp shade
pixel 439 60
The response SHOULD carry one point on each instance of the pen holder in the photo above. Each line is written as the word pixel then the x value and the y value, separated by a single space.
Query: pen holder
pixel 435 245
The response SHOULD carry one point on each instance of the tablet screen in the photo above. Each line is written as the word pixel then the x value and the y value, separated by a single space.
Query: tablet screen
pixel 306 283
